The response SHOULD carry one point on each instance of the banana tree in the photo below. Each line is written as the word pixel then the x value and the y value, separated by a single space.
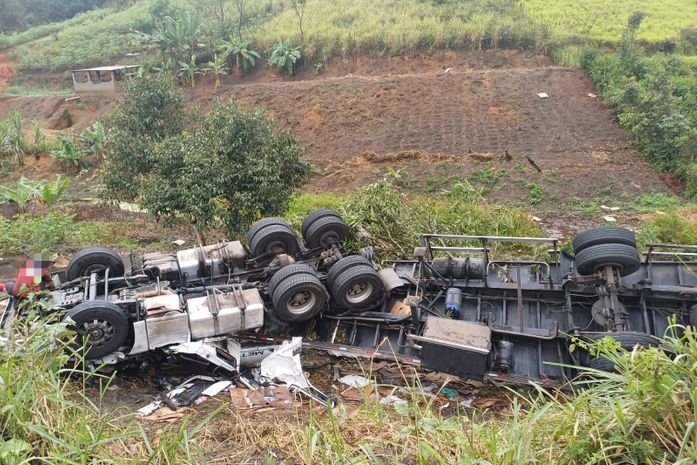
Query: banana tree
pixel 188 71
pixel 238 54
pixel 218 68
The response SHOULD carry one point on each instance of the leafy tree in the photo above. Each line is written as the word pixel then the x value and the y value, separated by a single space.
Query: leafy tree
pixel 285 56
pixel 232 169
pixel 150 110
pixel 241 6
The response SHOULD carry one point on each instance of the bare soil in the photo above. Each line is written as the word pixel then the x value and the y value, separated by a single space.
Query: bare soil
pixel 436 120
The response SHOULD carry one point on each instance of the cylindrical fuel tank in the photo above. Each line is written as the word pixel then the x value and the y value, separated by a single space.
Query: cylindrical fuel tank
pixel 459 268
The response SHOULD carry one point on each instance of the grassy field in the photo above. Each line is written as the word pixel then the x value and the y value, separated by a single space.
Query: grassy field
pixel 604 21
pixel 384 27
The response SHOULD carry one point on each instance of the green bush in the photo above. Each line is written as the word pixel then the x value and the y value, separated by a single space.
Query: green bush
pixel 232 169
pixel 150 110
pixel 394 218
pixel 285 56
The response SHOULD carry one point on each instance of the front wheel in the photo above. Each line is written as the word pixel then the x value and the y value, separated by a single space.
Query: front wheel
pixel 102 327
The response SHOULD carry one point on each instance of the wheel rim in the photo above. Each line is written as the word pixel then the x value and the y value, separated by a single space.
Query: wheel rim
pixel 97 332
pixel 330 237
pixel 276 247
pixel 301 302
pixel 96 268
pixel 359 292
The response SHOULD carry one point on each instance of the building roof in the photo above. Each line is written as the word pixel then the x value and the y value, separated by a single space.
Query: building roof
pixel 107 68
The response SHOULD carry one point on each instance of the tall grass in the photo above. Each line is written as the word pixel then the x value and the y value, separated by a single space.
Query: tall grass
pixel 384 27
pixel 604 22
pixel 101 37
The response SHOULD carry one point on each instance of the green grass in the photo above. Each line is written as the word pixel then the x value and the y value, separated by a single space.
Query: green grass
pixel 102 37
pixel 396 27
pixel 22 90
pixel 604 21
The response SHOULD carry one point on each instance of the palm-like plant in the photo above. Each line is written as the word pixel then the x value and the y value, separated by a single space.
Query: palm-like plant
pixel 238 54
pixel 188 71
pixel 218 68
pixel 12 142
pixel 285 56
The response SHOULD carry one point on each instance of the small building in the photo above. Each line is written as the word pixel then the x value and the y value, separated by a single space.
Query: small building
pixel 101 79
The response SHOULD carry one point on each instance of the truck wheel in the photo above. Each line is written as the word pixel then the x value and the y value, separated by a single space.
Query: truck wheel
pixel 628 340
pixel 104 325
pixel 299 298
pixel 344 264
pixel 315 215
pixel 622 256
pixel 274 239
pixel 95 260
pixel 326 231
pixel 288 271
pixel 599 236
pixel 261 224
pixel 357 288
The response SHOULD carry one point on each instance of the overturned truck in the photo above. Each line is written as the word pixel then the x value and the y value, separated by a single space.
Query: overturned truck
pixel 452 308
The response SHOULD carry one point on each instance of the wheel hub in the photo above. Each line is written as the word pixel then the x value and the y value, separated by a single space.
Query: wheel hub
pixel 98 332
pixel 301 302
pixel 360 291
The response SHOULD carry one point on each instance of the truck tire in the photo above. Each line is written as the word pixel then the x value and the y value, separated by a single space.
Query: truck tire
pixel 315 215
pixel 628 340
pixel 261 224
pixel 274 239
pixel 343 264
pixel 288 271
pixel 104 324
pixel 623 256
pixel 325 231
pixel 94 259
pixel 599 236
pixel 356 288
pixel 299 298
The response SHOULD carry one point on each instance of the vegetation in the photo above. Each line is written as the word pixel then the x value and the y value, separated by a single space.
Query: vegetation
pixel 227 168
pixel 285 56
pixel 42 192
pixel 21 15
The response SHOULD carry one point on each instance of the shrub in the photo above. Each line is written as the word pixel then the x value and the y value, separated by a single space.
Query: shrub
pixel 284 56
pixel 150 110
pixel 68 153
pixel 232 169
pixel 12 142
pixel 43 192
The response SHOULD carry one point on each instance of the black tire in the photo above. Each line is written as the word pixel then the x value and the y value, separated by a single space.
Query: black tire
pixel 95 259
pixel 261 224
pixel 274 239
pixel 603 364
pixel 628 340
pixel 356 288
pixel 104 321
pixel 315 215
pixel 344 264
pixel 288 271
pixel 599 236
pixel 299 298
pixel 623 256
pixel 325 231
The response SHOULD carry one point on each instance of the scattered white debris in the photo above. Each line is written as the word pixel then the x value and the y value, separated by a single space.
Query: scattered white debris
pixel 179 242
pixel 467 403
pixel 537 219
pixel 659 212
pixel 542 95
pixel 610 219
pixel 592 95
pixel 216 388
pixel 449 71
pixel 389 400
pixel 609 209
pixel 284 365
pixel 355 381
